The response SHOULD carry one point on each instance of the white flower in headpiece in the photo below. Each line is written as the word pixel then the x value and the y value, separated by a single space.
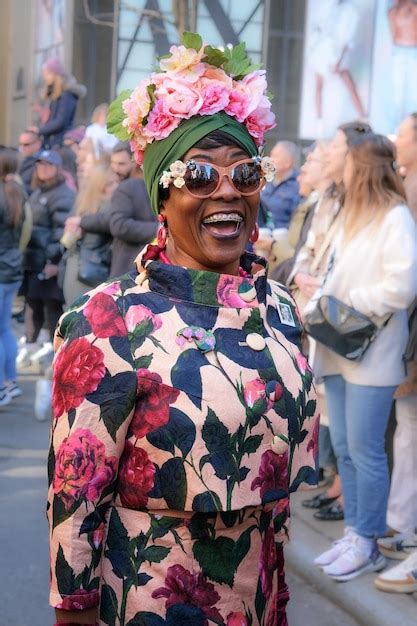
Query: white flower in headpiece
pixel 178 168
pixel 268 168
pixel 165 179
pixel 179 182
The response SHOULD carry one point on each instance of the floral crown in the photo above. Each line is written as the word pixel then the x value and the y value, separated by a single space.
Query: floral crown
pixel 194 79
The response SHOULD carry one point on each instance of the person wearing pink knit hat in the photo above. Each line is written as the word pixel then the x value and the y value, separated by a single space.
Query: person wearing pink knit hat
pixel 62 93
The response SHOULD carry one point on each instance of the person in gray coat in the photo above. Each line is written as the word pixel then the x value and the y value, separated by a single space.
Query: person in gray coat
pixel 132 224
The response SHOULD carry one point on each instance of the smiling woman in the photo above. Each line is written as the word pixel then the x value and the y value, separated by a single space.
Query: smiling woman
pixel 184 411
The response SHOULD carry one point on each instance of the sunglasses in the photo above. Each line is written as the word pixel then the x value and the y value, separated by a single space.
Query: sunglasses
pixel 204 179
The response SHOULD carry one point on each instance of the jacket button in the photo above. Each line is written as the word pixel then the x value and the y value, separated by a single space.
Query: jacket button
pixel 273 390
pixel 255 342
pixel 247 292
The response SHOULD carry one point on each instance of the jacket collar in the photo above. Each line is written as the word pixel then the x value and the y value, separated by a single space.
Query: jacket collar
pixel 208 288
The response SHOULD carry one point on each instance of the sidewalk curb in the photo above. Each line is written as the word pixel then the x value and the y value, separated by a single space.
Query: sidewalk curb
pixel 359 598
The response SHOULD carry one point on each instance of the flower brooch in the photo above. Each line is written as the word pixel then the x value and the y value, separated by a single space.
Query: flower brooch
pixel 204 339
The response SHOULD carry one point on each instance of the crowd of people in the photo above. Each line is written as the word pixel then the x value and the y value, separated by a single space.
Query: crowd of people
pixel 79 212
pixel 353 237
pixel 75 211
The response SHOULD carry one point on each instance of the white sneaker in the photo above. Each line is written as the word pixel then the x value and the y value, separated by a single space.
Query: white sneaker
pixel 24 357
pixel 13 389
pixel 43 409
pixel 338 547
pixel 398 547
pixel 5 398
pixel 44 355
pixel 400 579
pixel 354 561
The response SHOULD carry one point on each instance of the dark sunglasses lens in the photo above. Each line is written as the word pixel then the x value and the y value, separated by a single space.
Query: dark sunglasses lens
pixel 247 177
pixel 202 180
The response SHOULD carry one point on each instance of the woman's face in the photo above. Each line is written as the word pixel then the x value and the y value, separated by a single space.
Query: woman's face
pixel 335 157
pixel 215 245
pixel 48 77
pixel 348 171
pixel 110 186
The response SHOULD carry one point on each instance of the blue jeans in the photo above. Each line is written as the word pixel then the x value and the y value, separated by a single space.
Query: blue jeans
pixel 8 343
pixel 358 421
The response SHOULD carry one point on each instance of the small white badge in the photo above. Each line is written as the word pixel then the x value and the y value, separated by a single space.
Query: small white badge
pixel 285 314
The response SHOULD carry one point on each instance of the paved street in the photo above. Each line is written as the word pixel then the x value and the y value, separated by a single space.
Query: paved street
pixel 23 528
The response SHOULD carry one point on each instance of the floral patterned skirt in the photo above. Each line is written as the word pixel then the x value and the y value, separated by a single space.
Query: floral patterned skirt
pixel 224 568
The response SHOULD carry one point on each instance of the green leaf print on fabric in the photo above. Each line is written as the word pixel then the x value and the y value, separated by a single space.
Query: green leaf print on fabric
pixel 116 397
pixel 145 618
pixel 186 376
pixel 161 527
pixel 205 287
pixel 155 554
pixel 61 513
pixel 305 474
pixel 253 323
pixel 179 433
pixel 143 362
pixel 118 547
pixel 216 558
pixel 108 605
pixel 219 444
pixel 174 483
pixel 207 502
pixel 260 602
pixel 65 574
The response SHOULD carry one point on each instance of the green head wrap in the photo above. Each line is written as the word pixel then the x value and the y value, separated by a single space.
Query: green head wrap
pixel 159 155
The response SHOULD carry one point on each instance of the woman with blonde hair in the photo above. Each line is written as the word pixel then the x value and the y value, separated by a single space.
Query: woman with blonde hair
pixel 62 93
pixel 87 234
pixel 374 271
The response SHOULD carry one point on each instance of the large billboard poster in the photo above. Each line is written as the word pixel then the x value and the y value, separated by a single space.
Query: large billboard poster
pixel 360 62
pixel 394 71
pixel 337 70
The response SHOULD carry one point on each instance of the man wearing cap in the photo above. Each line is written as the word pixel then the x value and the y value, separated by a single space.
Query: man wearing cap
pixel 51 203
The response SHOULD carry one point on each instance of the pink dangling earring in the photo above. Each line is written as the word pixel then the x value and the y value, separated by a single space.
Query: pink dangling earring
pixel 162 235
pixel 255 234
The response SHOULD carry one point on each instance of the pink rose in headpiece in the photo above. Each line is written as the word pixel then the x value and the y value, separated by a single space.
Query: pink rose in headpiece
pixel 137 106
pixel 239 103
pixel 260 120
pixel 161 123
pixel 215 96
pixel 180 98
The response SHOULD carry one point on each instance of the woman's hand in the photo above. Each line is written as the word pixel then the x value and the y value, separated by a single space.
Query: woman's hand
pixel 307 284
pixel 50 270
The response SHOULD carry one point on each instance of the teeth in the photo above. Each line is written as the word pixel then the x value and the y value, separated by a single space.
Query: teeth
pixel 223 217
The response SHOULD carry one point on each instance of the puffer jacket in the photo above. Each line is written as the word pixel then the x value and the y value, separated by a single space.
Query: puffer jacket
pixel 62 113
pixel 11 269
pixel 50 206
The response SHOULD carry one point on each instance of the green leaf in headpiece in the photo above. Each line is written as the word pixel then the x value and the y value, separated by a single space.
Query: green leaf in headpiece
pixel 191 40
pixel 214 56
pixel 239 64
pixel 116 115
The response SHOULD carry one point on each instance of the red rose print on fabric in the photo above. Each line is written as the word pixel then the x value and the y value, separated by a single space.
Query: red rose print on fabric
pixel 82 469
pixel 253 391
pixel 136 477
pixel 313 444
pixel 80 599
pixel 277 611
pixel 104 317
pixel 141 319
pixel 267 562
pixel 185 587
pixel 236 619
pixel 152 405
pixel 78 370
pixel 273 473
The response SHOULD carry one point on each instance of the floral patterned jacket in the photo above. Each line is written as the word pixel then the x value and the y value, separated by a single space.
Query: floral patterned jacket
pixel 187 391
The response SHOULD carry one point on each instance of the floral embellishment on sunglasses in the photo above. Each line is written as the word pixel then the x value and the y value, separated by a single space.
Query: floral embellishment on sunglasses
pixel 203 179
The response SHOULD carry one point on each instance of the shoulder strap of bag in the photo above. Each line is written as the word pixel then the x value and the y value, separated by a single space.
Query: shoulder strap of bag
pixel 325 244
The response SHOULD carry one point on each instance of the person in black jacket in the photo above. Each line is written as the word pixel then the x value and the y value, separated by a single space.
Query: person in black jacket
pixel 51 203
pixel 62 92
pixel 12 200
pixel 87 235
pixel 29 145
pixel 132 224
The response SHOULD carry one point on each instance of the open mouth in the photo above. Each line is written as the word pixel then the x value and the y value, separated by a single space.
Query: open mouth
pixel 223 225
